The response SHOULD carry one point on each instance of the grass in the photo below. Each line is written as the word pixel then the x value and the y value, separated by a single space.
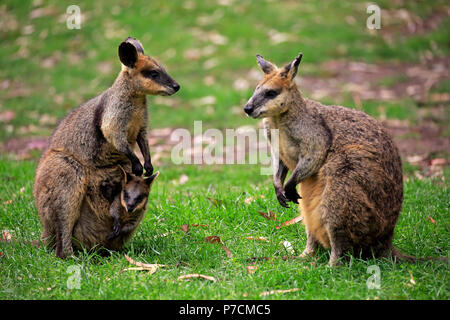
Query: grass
pixel 52 70
pixel 30 273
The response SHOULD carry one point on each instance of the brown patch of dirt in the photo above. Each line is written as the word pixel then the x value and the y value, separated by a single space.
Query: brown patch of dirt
pixel 424 139
pixel 404 22
pixel 362 80
pixel 21 147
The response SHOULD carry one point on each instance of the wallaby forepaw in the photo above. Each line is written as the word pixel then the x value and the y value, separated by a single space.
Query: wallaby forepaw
pixel 282 198
pixel 111 236
pixel 116 228
pixel 292 195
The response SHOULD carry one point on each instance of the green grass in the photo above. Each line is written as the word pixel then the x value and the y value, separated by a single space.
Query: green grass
pixel 168 30
pixel 27 272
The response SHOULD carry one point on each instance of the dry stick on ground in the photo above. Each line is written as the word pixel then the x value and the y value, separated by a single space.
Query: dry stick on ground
pixel 196 275
pixel 266 293
pixel 143 266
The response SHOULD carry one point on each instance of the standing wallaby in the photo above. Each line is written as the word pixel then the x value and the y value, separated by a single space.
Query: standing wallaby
pixel 99 134
pixel 112 225
pixel 347 165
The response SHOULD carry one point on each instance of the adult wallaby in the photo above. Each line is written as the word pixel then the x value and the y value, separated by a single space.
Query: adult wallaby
pixel 99 134
pixel 348 167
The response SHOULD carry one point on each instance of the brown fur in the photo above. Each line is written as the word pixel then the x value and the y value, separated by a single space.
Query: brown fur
pixel 94 227
pixel 348 167
pixel 92 140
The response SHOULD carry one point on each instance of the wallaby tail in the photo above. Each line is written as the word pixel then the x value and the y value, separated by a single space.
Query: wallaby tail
pixel 399 256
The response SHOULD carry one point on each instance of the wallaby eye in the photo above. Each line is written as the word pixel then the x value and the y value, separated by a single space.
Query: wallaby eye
pixel 271 93
pixel 153 74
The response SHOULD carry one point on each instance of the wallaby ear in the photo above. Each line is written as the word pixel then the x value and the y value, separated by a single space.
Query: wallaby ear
pixel 128 177
pixel 125 176
pixel 128 54
pixel 266 66
pixel 152 178
pixel 290 70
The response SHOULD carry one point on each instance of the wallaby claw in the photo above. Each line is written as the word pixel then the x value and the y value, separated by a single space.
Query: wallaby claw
pixel 111 236
pixel 292 195
pixel 115 232
pixel 282 198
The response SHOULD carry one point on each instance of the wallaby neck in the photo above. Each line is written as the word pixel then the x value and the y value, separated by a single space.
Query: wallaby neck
pixel 122 91
pixel 296 109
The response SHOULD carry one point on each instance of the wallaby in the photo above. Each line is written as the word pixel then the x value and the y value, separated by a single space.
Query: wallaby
pixel 113 225
pixel 97 135
pixel 128 207
pixel 348 167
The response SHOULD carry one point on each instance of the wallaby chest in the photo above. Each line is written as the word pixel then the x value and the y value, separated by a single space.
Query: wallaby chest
pixel 289 150
pixel 288 147
pixel 137 121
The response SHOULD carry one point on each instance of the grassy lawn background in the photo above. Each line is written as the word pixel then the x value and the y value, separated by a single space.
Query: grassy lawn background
pixel 209 47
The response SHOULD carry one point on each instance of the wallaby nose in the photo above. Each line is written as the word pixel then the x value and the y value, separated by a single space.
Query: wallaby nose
pixel 176 87
pixel 248 109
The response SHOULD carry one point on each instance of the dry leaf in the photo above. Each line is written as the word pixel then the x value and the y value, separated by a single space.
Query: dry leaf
pixel 258 239
pixel 183 179
pixel 199 225
pixel 6 236
pixel 7 116
pixel 197 275
pixel 216 239
pixel 266 293
pixel 206 100
pixel 255 259
pixel 227 251
pixel 292 221
pixel 414 159
pixel 185 227
pixel 268 215
pixel 418 175
pixel 7 202
pixel 251 199
pixel 412 279
pixel 438 162
pixel 431 219
pixel 215 202
pixel 251 269
pixel 162 235
pixel 50 288
pixel 213 239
